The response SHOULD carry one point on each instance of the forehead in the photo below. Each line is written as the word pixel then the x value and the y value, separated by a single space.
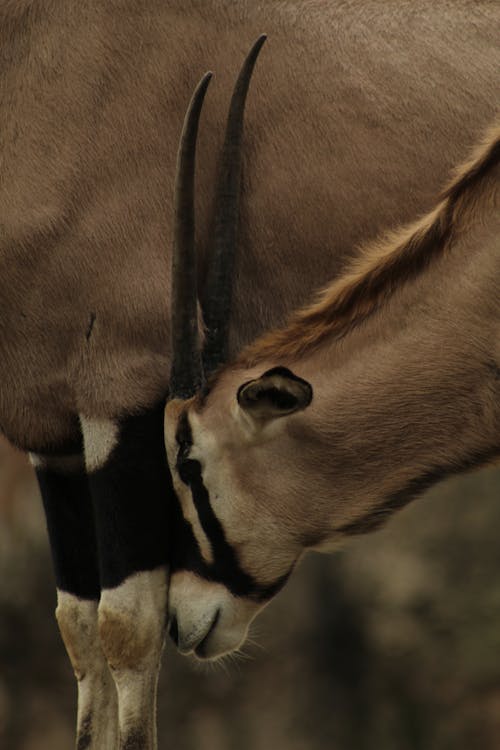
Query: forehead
pixel 204 420
pixel 188 430
pixel 176 422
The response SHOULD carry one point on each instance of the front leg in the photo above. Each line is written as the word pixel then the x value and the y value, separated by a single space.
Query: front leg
pixel 70 522
pixel 97 718
pixel 132 630
pixel 130 486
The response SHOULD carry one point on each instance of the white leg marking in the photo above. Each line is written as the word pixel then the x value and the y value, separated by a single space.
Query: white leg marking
pixel 100 438
pixel 97 723
pixel 132 620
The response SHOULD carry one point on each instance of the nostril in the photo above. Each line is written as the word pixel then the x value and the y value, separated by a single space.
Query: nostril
pixel 173 630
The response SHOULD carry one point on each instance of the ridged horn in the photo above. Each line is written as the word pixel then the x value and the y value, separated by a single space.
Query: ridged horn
pixel 217 294
pixel 186 375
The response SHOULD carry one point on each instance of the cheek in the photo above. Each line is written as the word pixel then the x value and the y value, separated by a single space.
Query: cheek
pixel 258 530
pixel 261 543
pixel 266 557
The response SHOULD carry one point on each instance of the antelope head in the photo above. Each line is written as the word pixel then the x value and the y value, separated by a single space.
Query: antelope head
pixel 240 475
pixel 365 433
pixel 232 550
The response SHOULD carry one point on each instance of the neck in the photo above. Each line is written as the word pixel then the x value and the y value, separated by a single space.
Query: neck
pixel 412 395
pixel 403 355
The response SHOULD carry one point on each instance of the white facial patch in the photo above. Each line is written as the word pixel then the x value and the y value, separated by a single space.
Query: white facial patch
pixel 100 437
pixel 183 493
pixel 190 515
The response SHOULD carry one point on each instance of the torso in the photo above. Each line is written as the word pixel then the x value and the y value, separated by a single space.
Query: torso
pixel 355 117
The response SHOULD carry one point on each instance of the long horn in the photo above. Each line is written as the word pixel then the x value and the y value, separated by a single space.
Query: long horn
pixel 217 294
pixel 186 371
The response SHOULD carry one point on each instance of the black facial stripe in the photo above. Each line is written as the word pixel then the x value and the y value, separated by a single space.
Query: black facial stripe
pixel 415 487
pixel 225 567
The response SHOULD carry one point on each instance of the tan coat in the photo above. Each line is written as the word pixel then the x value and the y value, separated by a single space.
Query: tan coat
pixel 357 112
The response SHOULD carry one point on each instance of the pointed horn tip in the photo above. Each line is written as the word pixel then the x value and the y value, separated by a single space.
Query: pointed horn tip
pixel 250 60
pixel 202 85
pixel 258 44
pixel 196 103
pixel 205 80
pixel 185 373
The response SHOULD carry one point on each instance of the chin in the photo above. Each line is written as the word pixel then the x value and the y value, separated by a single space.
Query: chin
pixel 220 643
pixel 205 619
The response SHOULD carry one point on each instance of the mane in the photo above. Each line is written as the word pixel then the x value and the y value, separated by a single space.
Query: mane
pixel 382 267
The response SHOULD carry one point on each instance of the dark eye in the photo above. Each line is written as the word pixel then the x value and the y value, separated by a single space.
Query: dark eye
pixel 184 439
pixel 183 453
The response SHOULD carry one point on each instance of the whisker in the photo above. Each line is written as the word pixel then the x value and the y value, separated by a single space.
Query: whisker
pixel 255 643
pixel 241 655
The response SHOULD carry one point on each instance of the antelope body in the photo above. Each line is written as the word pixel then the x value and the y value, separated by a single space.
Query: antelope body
pixel 356 114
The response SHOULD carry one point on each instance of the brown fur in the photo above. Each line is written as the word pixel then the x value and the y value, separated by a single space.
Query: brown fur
pixel 123 646
pixel 357 112
pixel 381 268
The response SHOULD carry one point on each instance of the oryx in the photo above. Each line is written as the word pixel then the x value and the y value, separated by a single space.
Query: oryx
pixel 323 428
pixel 356 115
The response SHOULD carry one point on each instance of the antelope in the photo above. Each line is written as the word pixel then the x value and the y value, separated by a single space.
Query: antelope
pixel 321 429
pixel 337 145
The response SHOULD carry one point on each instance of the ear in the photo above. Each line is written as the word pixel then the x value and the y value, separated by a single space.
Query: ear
pixel 276 393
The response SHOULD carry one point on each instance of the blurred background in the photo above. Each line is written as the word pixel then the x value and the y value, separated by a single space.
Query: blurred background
pixel 391 644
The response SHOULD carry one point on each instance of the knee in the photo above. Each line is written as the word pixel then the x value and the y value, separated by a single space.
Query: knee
pixel 77 620
pixel 131 630
pixel 126 638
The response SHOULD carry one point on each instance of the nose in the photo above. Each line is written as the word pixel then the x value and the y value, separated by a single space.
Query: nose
pixel 194 638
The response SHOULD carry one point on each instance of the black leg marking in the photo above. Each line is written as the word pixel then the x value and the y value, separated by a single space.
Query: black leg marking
pixel 70 523
pixel 131 494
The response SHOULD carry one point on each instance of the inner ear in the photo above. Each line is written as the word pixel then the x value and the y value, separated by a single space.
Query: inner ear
pixel 276 393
